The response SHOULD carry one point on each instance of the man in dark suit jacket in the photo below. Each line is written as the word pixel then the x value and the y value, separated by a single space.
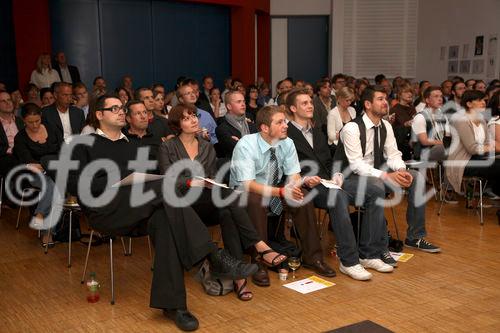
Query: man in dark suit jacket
pixel 234 124
pixel 10 125
pixel 311 146
pixel 66 119
pixel 67 73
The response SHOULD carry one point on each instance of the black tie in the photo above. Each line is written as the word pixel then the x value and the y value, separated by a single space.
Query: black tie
pixel 377 160
pixel 275 204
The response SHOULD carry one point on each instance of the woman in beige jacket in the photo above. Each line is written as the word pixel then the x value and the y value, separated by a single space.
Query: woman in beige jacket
pixel 472 150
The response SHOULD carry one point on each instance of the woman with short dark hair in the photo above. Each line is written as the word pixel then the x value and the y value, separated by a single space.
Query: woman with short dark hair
pixel 237 229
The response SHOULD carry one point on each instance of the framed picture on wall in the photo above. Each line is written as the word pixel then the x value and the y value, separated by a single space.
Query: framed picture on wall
pixel 478 48
pixel 453 67
pixel 453 52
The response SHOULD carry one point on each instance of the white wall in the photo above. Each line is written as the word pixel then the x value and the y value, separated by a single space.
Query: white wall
pixel 440 23
pixel 454 22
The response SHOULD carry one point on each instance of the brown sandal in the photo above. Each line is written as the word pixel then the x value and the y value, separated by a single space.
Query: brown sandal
pixel 275 261
pixel 243 295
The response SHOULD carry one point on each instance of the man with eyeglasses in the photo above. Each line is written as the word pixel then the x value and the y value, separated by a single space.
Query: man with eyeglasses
pixel 180 238
pixel 138 131
pixel 187 95
pixel 68 120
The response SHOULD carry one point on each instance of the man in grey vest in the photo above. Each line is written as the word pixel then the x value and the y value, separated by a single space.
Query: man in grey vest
pixel 367 147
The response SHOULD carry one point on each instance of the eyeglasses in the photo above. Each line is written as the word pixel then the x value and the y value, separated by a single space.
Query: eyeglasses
pixel 114 109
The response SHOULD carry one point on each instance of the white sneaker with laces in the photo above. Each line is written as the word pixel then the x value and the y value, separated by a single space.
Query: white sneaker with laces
pixel 357 272
pixel 376 264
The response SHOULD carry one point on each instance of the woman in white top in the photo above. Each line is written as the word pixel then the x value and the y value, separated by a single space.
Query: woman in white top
pixel 341 114
pixel 472 150
pixel 43 76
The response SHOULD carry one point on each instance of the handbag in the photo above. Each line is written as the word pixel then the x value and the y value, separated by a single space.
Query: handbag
pixel 212 285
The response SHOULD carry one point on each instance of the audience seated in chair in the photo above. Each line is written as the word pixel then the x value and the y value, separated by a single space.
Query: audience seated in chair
pixel 66 119
pixel 474 149
pixel 312 147
pixel 366 145
pixel 237 229
pixel 259 165
pixel 180 239
pixel 11 125
pixel 234 124
pixel 187 94
pixel 32 145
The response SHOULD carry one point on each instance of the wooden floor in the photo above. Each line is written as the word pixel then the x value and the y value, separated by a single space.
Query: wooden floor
pixel 455 291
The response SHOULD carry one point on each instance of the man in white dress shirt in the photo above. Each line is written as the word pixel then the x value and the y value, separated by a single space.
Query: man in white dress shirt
pixel 367 147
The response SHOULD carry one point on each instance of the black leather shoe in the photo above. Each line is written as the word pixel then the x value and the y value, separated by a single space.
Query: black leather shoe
pixel 225 266
pixel 183 319
pixel 321 268
pixel 261 277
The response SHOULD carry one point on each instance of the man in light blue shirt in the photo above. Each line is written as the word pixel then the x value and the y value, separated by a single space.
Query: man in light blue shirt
pixel 259 165
pixel 187 95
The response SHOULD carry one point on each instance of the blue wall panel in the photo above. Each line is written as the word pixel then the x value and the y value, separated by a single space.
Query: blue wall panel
pixel 126 41
pixel 195 41
pixel 154 41
pixel 75 30
pixel 308 47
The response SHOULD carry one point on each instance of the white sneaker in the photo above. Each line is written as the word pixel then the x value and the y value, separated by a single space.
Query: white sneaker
pixel 376 264
pixel 357 272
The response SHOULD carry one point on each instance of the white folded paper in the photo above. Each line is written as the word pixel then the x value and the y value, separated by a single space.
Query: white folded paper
pixel 330 184
pixel 137 178
pixel 213 182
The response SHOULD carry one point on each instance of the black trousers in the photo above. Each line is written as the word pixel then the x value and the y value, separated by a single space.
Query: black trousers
pixel 238 232
pixel 179 237
pixel 490 172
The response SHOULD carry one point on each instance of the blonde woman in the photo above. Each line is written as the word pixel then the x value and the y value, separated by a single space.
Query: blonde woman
pixel 341 114
pixel 43 76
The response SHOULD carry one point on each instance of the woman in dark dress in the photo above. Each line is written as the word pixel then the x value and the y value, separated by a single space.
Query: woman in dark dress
pixel 31 145
pixel 237 229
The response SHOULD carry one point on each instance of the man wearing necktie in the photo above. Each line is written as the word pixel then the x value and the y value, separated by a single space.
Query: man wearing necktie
pixel 266 165
pixel 367 148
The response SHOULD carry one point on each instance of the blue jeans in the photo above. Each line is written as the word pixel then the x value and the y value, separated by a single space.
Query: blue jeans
pixel 372 242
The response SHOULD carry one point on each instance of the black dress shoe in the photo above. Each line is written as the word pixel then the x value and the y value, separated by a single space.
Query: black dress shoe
pixel 225 266
pixel 183 319
pixel 321 268
pixel 261 277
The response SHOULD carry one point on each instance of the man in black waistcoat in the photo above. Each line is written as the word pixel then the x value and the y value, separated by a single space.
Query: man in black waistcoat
pixel 312 147
pixel 179 237
pixel 367 147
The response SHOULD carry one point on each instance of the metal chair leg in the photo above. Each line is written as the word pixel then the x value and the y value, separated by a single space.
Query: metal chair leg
pixel 87 257
pixel 111 269
pixel 481 221
pixel 19 210
pixel 69 237
pixel 124 248
pixel 440 170
pixel 130 246
pixel 442 200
